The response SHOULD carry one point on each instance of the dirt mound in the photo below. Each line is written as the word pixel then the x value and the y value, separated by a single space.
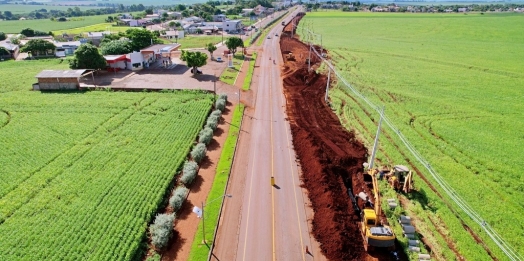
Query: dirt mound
pixel 330 156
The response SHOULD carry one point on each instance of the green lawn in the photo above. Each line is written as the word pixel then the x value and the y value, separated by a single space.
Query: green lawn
pixel 230 75
pixel 459 79
pixel 47 25
pixel 249 76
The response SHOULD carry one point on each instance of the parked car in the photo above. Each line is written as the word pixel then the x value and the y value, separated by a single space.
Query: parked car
pixel 276 35
pixel 218 59
pixel 198 71
pixel 268 37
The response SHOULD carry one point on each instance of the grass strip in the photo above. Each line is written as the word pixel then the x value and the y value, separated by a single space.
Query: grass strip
pixel 200 251
pixel 229 75
pixel 101 27
pixel 249 76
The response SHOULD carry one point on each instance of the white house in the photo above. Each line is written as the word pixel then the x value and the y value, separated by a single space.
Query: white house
pixel 232 26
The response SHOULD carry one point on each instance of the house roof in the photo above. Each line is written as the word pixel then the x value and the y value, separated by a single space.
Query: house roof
pixel 115 58
pixel 8 46
pixel 60 74
pixel 71 43
pixel 158 47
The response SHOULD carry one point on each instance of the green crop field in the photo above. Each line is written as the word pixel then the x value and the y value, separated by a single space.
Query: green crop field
pixel 84 173
pixel 452 84
pixel 22 9
pixel 101 27
pixel 47 25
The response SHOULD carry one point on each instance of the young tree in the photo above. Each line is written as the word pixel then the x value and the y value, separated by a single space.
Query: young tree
pixel 87 57
pixel 38 47
pixel 211 48
pixel 115 47
pixel 28 32
pixel 233 43
pixel 194 59
pixel 2 36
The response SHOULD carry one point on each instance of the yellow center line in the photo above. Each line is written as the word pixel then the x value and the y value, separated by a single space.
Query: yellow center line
pixel 249 201
pixel 272 165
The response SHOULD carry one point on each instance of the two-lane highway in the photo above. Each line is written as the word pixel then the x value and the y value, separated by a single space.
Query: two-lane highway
pixel 272 222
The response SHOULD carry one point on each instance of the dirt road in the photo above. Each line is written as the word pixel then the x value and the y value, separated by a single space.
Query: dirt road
pixel 266 222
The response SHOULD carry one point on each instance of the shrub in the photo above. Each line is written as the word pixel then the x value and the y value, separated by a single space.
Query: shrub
pixel 216 113
pixel 161 230
pixel 199 152
pixel 223 96
pixel 178 198
pixel 189 172
pixel 205 136
pixel 212 122
pixel 220 104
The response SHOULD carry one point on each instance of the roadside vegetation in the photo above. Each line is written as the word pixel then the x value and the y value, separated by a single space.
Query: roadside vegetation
pixel 461 110
pixel 249 75
pixel 199 251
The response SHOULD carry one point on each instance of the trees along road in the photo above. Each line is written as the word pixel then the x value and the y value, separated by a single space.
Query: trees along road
pixel 266 222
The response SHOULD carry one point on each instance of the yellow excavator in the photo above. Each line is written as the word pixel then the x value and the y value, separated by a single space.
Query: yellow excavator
pixel 400 178
pixel 375 231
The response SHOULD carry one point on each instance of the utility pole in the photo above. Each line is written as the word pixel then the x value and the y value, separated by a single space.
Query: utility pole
pixel 375 145
pixel 309 58
pixel 327 85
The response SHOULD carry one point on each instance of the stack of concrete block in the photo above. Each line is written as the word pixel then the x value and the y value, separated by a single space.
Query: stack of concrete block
pixel 392 203
pixel 422 257
pixel 407 228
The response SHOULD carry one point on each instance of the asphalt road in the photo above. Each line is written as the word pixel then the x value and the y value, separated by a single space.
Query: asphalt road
pixel 270 221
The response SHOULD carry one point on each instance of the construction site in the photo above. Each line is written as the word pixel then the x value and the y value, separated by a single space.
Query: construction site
pixel 331 158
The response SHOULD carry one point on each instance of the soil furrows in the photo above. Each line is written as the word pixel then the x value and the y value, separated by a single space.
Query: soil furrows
pixel 331 158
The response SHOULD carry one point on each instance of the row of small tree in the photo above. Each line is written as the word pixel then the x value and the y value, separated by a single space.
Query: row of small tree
pixel 162 228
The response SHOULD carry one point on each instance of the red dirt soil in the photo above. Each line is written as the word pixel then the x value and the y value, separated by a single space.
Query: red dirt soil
pixel 330 157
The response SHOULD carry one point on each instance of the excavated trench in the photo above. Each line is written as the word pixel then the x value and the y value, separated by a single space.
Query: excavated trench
pixel 331 158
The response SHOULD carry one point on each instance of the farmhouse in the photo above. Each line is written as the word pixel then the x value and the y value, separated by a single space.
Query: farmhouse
pixel 58 80
pixel 116 62
pixel 13 49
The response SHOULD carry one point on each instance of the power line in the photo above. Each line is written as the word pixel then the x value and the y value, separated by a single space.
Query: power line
pixel 510 252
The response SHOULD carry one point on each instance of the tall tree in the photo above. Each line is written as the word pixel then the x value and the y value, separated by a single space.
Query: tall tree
pixel 194 59
pixel 2 36
pixel 115 47
pixel 233 43
pixel 141 38
pixel 87 57
pixel 38 47
pixel 211 48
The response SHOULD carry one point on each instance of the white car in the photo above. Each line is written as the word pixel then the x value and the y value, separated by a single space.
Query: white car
pixel 218 59
pixel 268 37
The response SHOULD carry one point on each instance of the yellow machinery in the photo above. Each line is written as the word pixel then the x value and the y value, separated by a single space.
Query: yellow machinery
pixel 375 232
pixel 401 178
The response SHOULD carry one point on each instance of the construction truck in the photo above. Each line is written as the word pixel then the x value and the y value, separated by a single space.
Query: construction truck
pixel 400 178
pixel 375 231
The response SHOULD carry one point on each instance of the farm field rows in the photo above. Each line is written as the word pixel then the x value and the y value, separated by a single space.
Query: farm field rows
pixel 84 173
pixel 451 83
